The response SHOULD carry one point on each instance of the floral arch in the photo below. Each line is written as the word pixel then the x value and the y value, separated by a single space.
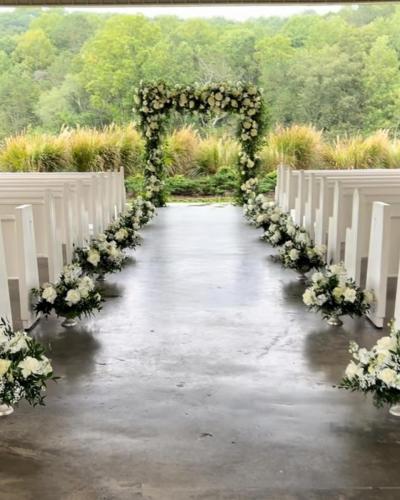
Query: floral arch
pixel 155 101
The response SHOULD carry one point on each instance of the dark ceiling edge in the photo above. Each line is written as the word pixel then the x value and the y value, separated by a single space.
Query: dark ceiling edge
pixel 122 3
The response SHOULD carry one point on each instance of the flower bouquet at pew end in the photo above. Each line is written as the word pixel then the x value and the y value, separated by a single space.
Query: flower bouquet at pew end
pixel 302 255
pixel 280 230
pixel 24 369
pixel 258 210
pixel 377 371
pixel 123 235
pixel 334 294
pixel 140 213
pixel 74 295
pixel 100 257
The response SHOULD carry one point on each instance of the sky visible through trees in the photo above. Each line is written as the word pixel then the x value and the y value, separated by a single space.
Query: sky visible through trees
pixel 338 71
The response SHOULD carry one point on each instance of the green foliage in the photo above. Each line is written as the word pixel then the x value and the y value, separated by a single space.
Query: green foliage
pixel 339 72
pixel 81 150
pixel 298 146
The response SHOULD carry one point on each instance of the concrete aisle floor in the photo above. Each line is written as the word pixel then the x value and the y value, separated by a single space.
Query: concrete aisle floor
pixel 204 377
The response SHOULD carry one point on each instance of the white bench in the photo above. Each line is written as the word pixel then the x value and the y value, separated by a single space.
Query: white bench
pixel 47 228
pixel 20 259
pixel 383 256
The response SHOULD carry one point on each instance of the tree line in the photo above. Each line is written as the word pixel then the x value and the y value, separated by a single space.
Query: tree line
pixel 339 72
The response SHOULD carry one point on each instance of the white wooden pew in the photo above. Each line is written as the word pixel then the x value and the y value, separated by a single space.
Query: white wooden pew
pixel 5 303
pixel 358 234
pixel 341 216
pixel 383 256
pixel 333 202
pixel 20 259
pixel 47 231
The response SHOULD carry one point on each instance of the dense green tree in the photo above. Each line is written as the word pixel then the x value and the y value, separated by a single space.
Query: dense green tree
pixel 381 77
pixel 339 71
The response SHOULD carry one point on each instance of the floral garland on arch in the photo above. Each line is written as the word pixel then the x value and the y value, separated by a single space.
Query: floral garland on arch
pixel 154 103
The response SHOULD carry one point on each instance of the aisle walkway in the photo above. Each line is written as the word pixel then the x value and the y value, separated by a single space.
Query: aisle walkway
pixel 203 378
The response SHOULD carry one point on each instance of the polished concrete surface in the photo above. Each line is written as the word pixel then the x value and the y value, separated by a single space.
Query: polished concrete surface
pixel 205 378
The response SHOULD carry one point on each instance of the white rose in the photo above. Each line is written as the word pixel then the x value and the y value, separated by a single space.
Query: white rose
pixel 45 366
pixel 386 344
pixel 73 297
pixel 309 297
pixel 316 277
pixel 121 234
pixel 388 376
pixel 49 294
pixel 321 299
pixel 338 293
pixel 113 252
pixel 350 295
pixel 353 370
pixel 17 343
pixel 275 217
pixel 93 257
pixel 30 366
pixel 294 254
pixel 4 366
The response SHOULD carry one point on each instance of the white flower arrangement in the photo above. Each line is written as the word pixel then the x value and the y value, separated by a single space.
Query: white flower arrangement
pixel 100 257
pixel 123 234
pixel 281 230
pixel 260 211
pixel 155 101
pixel 301 254
pixel 376 371
pixel 333 294
pixel 24 368
pixel 72 296
pixel 140 213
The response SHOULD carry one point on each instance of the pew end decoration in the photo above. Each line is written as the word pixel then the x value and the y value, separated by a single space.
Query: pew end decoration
pixel 100 257
pixel 123 235
pixel 139 213
pixel 156 101
pixel 74 295
pixel 333 294
pixel 280 230
pixel 24 369
pixel 377 371
pixel 301 255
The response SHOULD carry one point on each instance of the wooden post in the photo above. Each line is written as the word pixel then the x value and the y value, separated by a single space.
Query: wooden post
pixel 378 260
pixel 5 305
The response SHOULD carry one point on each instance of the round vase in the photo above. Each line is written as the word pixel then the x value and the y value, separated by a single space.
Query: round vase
pixel 5 410
pixel 301 276
pixel 395 410
pixel 100 277
pixel 334 320
pixel 69 322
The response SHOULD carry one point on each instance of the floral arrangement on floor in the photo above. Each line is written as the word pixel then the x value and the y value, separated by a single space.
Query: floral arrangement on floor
pixel 261 212
pixel 24 369
pixel 155 101
pixel 140 213
pixel 74 295
pixel 281 230
pixel 376 371
pixel 123 235
pixel 100 257
pixel 301 254
pixel 333 294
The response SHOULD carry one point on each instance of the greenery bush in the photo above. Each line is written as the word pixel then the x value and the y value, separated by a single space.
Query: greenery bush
pixel 179 152
pixel 299 146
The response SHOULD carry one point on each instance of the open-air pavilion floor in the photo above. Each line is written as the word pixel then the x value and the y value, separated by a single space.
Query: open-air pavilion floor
pixel 204 377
